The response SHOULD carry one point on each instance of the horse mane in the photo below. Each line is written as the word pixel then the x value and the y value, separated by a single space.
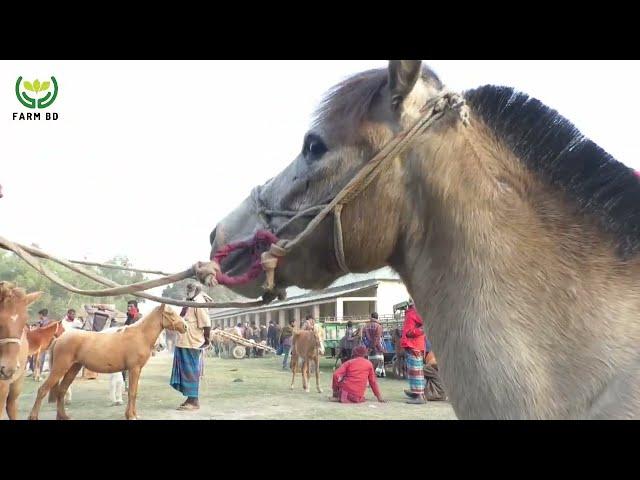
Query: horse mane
pixel 345 106
pixel 553 148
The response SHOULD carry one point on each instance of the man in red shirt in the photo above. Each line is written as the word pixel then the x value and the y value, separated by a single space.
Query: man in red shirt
pixel 350 380
pixel 414 343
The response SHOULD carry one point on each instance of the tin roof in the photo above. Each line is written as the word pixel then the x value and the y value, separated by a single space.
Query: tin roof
pixel 307 296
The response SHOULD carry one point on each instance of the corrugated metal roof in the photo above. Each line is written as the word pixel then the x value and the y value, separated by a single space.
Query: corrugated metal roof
pixel 309 296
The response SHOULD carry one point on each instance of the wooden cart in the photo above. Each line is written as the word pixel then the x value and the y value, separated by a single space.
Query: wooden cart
pixel 239 350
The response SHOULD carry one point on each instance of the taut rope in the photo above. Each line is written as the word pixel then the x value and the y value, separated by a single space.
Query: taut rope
pixel 211 274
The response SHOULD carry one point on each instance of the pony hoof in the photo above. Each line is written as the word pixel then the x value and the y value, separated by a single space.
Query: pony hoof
pixel 32 417
pixel 306 390
pixel 319 390
pixel 291 387
pixel 63 417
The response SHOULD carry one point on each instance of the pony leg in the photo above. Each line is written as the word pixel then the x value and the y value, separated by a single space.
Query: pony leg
pixel 49 383
pixel 318 374
pixel 15 389
pixel 305 374
pixel 36 366
pixel 134 376
pixel 66 382
pixel 294 367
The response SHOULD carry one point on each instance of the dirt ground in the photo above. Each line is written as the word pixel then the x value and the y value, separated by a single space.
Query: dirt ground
pixel 252 389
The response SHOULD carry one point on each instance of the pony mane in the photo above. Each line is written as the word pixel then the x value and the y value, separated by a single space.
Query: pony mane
pixel 553 148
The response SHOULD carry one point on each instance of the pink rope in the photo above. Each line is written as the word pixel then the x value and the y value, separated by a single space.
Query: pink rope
pixel 261 242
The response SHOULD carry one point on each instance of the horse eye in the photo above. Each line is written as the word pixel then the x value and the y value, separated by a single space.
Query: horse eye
pixel 314 147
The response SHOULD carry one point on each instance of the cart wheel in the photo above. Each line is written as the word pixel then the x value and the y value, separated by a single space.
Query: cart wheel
pixel 239 352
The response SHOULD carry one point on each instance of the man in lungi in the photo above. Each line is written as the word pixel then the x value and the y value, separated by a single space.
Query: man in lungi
pixel 350 380
pixel 185 376
pixel 372 334
pixel 413 341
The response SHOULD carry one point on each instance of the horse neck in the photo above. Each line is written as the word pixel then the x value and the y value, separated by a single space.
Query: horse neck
pixel 501 281
pixel 150 326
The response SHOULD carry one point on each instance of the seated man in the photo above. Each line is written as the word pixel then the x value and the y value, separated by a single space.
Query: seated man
pixel 350 380
pixel 434 388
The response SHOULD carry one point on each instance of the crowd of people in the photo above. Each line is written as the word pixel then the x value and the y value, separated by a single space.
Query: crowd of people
pixel 361 352
pixel 350 381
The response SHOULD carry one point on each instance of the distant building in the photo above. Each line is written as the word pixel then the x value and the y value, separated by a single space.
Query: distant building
pixel 353 296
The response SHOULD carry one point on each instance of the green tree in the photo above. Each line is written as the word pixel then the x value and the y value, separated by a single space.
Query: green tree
pixel 58 300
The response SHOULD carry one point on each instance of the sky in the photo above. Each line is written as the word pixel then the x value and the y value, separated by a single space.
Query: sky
pixel 147 156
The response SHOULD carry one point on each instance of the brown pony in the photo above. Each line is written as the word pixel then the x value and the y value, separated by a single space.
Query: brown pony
pixel 14 347
pixel 305 345
pixel 39 341
pixel 517 237
pixel 110 351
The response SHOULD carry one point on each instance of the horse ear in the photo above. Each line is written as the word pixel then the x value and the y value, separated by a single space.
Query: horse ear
pixel 32 297
pixel 403 75
pixel 162 305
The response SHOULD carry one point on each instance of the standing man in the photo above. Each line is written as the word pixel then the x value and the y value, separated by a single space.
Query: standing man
pixel 133 314
pixel 413 341
pixel 248 335
pixel 286 339
pixel 43 319
pixel 372 338
pixel 271 335
pixel 276 339
pixel 185 376
pixel 70 321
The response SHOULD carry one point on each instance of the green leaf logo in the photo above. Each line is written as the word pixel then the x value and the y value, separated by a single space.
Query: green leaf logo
pixel 45 86
pixel 28 86
pixel 36 85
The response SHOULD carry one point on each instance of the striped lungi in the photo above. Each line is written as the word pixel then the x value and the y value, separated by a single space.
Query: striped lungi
pixel 415 372
pixel 185 376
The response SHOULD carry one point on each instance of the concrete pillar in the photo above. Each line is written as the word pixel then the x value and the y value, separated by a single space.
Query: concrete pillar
pixel 281 318
pixel 256 320
pixel 296 317
pixel 268 319
pixel 339 308
pixel 315 311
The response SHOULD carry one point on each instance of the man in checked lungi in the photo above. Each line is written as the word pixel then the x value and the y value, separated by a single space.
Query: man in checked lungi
pixel 187 365
pixel 414 343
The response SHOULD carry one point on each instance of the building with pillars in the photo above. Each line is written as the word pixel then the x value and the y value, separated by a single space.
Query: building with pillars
pixel 352 296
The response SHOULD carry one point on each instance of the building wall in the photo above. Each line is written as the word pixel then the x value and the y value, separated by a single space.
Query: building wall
pixel 351 308
pixel 390 292
pixel 328 309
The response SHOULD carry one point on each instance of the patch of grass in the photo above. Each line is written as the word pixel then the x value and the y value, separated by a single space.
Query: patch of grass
pixel 263 394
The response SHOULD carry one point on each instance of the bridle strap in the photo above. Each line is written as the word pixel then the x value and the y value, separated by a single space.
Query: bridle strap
pixel 338 242
pixel 432 111
pixel 4 341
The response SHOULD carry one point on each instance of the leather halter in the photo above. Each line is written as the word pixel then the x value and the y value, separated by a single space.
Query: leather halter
pixel 433 110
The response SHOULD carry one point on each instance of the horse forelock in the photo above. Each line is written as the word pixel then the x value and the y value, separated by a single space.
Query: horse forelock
pixel 345 107
pixel 557 152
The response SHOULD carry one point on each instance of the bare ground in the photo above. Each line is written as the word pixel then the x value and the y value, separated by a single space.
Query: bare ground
pixel 262 393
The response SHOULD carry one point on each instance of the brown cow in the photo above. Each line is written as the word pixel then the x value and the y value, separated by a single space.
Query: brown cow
pixel 39 341
pixel 306 345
